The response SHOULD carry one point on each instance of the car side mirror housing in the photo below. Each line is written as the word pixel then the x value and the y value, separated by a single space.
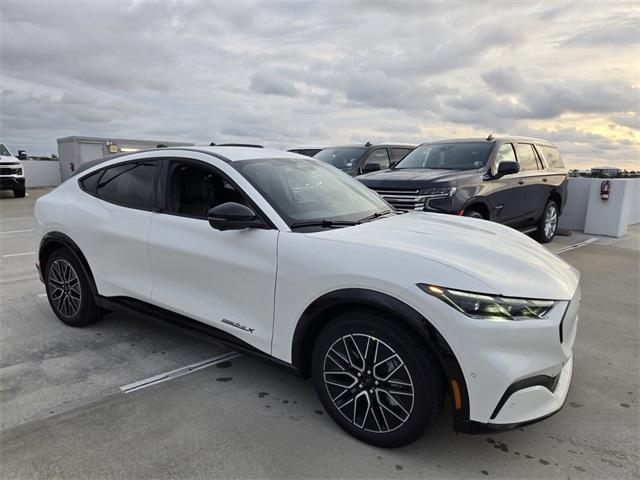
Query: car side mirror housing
pixel 507 168
pixel 372 167
pixel 233 216
pixel 22 155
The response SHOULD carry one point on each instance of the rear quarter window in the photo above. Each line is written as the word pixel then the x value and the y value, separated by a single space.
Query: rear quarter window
pixel 552 156
pixel 90 182
pixel 128 185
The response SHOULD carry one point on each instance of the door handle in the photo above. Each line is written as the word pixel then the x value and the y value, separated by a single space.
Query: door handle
pixel 544 180
pixel 521 182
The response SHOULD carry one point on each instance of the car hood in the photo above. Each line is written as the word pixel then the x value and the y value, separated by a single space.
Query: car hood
pixel 413 177
pixel 504 260
pixel 6 160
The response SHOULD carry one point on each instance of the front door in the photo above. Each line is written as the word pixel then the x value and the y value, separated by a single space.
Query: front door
pixel 225 279
pixel 506 193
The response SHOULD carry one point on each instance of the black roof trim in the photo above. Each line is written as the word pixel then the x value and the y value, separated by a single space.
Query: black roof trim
pixel 92 163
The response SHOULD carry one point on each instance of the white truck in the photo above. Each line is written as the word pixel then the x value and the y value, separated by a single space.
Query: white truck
pixel 12 172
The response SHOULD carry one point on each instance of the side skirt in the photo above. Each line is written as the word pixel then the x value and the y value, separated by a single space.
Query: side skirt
pixel 184 324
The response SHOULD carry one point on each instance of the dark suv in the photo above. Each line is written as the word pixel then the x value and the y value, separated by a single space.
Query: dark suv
pixel 358 159
pixel 518 181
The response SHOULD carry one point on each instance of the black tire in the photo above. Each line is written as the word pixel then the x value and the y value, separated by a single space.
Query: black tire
pixel 548 223
pixel 411 359
pixel 69 291
pixel 19 192
pixel 473 214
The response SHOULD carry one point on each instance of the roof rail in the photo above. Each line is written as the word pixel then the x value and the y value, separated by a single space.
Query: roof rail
pixel 252 145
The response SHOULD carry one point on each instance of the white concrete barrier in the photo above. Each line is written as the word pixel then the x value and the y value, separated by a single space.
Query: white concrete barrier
pixel 41 173
pixel 586 211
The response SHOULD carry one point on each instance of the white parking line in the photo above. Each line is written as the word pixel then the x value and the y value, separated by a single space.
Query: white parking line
pixel 576 245
pixel 42 295
pixel 18 254
pixel 7 219
pixel 17 231
pixel 163 377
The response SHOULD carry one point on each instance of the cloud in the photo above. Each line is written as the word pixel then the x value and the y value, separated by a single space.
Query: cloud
pixel 273 84
pixel 287 72
pixel 504 80
pixel 629 120
pixel 613 32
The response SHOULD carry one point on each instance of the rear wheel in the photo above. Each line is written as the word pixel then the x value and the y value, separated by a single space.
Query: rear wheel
pixel 19 191
pixel 375 380
pixel 69 291
pixel 548 223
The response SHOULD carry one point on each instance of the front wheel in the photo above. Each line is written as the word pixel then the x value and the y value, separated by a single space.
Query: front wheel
pixel 473 214
pixel 375 380
pixel 19 191
pixel 548 223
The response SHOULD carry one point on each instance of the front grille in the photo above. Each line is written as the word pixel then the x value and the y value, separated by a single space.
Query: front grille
pixel 10 171
pixel 402 199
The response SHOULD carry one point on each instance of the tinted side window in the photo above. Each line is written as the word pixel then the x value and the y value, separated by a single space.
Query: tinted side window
pixel 526 157
pixel 90 182
pixel 196 188
pixel 129 185
pixel 552 156
pixel 399 153
pixel 379 157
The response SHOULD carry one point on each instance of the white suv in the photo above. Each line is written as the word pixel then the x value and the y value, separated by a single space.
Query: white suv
pixel 11 173
pixel 286 256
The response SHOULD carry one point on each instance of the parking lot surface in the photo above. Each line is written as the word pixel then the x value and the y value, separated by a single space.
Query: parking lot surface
pixel 63 413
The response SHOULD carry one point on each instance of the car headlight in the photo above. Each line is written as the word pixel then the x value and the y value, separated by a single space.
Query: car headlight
pixel 490 307
pixel 438 191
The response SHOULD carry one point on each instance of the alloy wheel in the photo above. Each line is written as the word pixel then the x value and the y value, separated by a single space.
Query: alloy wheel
pixel 368 383
pixel 64 288
pixel 550 221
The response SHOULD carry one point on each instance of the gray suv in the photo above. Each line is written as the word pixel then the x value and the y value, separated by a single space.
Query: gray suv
pixel 517 181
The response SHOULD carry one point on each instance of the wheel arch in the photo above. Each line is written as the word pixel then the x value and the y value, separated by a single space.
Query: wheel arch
pixel 556 197
pixel 480 206
pixel 54 240
pixel 322 310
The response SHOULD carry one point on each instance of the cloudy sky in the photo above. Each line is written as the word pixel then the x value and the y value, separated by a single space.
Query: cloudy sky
pixel 284 73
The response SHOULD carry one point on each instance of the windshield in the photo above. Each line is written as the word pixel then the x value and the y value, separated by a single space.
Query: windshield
pixel 342 158
pixel 4 150
pixel 303 190
pixel 448 156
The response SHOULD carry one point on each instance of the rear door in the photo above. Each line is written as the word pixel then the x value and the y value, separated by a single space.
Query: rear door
pixel 110 223
pixel 534 187
pixel 225 279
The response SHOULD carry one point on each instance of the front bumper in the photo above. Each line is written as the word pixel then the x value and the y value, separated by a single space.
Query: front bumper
pixel 11 182
pixel 511 373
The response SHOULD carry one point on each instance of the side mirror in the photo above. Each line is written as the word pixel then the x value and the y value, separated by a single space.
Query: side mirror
pixel 507 167
pixel 233 216
pixel 393 164
pixel 22 155
pixel 372 167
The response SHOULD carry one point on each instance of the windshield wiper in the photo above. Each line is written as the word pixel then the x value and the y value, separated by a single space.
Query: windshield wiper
pixel 324 223
pixel 374 216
